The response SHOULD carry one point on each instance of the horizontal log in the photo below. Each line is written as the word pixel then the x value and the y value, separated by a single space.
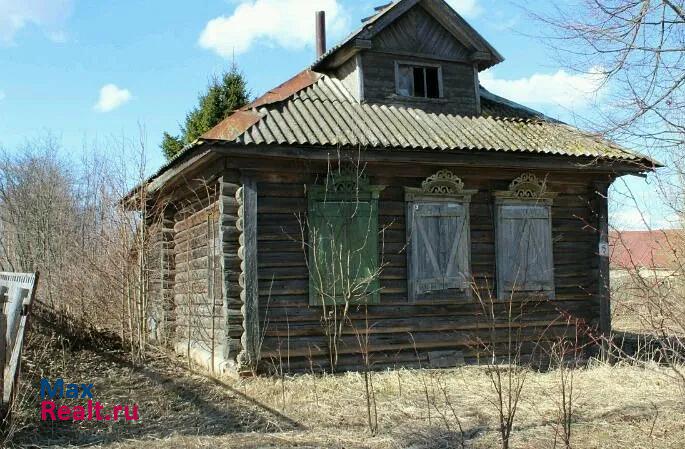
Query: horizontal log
pixel 420 340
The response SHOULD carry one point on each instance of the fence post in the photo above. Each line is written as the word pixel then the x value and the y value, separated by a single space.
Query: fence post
pixel 3 343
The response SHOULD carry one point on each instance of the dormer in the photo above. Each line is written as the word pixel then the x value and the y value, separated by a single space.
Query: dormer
pixel 413 53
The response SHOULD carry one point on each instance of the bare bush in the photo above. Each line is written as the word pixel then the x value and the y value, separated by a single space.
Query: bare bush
pixel 64 219
pixel 502 357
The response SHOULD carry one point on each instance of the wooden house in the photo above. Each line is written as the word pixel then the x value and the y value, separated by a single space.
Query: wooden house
pixel 379 209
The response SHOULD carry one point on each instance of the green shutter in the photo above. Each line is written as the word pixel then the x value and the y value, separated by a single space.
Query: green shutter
pixel 343 262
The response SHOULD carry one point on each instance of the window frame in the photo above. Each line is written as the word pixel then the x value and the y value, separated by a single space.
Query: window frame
pixel 364 192
pixel 413 197
pixel 423 65
pixel 507 199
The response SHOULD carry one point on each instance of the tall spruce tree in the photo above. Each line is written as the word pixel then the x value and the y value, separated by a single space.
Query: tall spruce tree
pixel 224 95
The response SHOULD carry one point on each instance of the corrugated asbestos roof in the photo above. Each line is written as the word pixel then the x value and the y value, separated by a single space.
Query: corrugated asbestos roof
pixel 315 109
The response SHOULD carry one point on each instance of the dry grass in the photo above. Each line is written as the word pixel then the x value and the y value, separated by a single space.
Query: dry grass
pixel 617 406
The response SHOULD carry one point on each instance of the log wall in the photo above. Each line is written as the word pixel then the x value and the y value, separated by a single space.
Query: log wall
pixel 228 205
pixel 198 284
pixel 161 267
pixel 401 332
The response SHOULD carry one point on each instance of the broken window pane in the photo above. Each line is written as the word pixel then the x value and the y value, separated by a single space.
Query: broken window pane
pixel 405 81
pixel 418 81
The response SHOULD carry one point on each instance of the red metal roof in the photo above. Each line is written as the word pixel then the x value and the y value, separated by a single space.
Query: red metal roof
pixel 241 120
pixel 658 249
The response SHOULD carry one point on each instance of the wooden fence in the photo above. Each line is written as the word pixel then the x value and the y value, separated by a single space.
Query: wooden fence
pixel 17 291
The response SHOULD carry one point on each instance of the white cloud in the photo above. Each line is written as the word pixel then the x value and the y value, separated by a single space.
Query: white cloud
pixel 111 97
pixel 468 8
pixel 560 88
pixel 58 37
pixel 49 15
pixel 284 23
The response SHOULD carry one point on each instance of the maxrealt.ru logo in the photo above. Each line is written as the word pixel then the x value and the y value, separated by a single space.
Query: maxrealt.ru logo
pixel 90 411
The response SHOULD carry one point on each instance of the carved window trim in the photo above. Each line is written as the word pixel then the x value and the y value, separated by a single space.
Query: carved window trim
pixel 443 187
pixel 525 190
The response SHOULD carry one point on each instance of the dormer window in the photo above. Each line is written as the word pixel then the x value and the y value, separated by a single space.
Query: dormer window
pixel 418 80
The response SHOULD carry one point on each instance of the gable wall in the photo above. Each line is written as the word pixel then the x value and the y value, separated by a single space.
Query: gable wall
pixel 417 37
pixel 417 32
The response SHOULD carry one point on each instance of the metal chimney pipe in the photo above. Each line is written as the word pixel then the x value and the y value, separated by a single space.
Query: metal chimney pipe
pixel 320 33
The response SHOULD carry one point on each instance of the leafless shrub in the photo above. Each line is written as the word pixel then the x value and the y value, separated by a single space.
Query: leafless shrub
pixel 565 355
pixel 64 219
pixel 502 357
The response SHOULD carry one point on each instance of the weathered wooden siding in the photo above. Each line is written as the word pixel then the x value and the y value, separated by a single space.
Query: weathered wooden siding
pixel 459 88
pixel 198 283
pixel 417 37
pixel 160 259
pixel 417 32
pixel 401 332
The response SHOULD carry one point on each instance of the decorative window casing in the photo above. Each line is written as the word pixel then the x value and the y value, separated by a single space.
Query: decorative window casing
pixel 343 241
pixel 418 80
pixel 524 246
pixel 438 232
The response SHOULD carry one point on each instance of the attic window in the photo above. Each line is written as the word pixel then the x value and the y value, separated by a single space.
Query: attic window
pixel 420 81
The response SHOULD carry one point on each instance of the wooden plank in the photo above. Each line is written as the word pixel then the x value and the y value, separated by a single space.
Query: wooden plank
pixel 412 160
pixel 283 184
pixel 21 289
pixel 3 339
pixel 604 292
pixel 251 335
pixel 445 359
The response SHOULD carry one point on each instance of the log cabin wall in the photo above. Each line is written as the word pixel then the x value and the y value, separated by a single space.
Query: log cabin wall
pixel 402 333
pixel 200 324
pixel 161 268
pixel 228 207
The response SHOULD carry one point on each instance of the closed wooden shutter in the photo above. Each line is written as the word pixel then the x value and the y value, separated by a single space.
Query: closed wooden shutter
pixel 525 261
pixel 439 251
pixel 344 246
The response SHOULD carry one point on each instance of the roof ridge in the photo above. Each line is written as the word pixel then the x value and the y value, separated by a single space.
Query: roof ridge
pixel 485 93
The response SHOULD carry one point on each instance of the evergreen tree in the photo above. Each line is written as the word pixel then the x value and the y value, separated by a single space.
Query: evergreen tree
pixel 224 95
pixel 171 145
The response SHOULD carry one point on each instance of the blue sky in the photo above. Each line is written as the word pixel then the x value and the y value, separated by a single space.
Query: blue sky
pixel 85 71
